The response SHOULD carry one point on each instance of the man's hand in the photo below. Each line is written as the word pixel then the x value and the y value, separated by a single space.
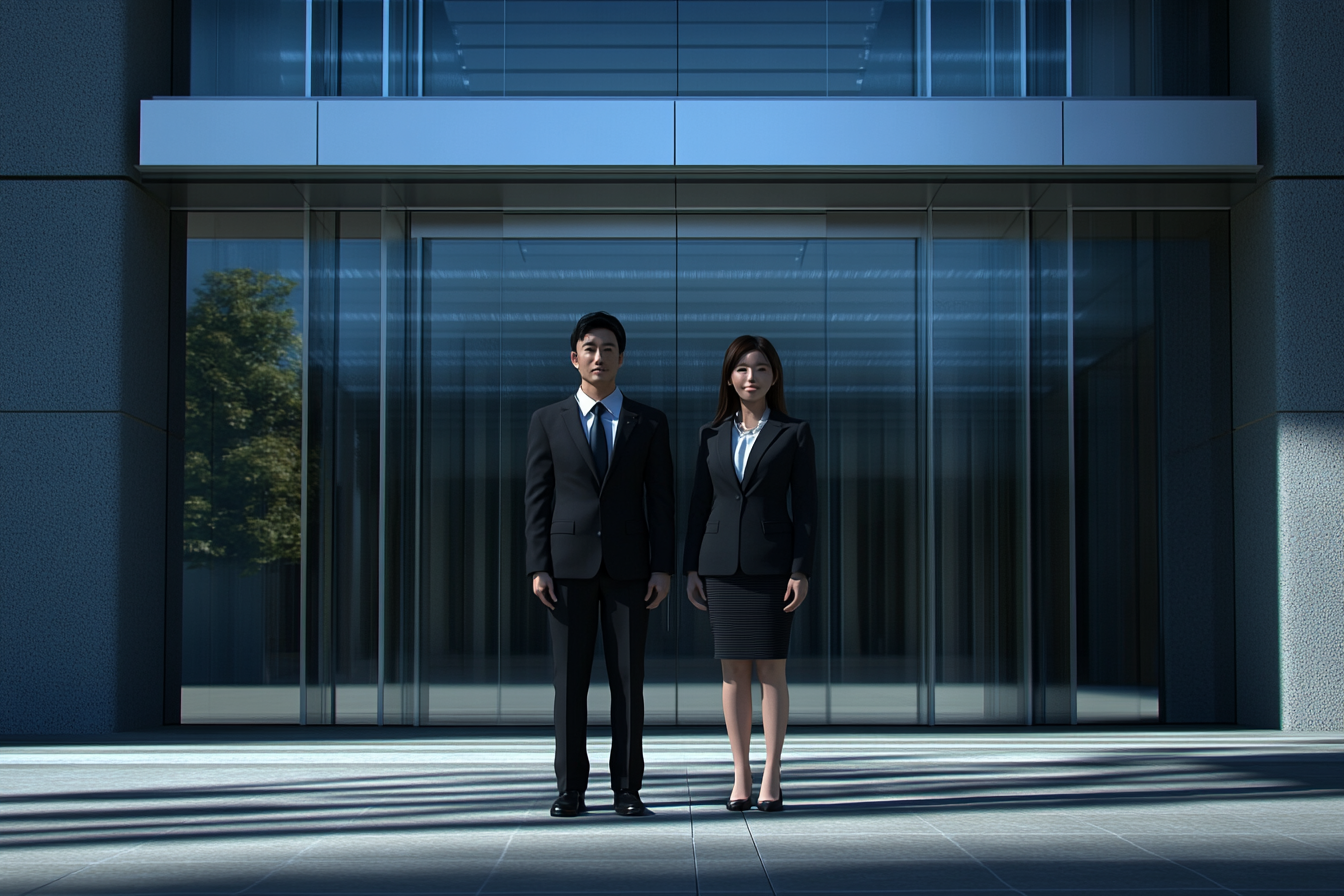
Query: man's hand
pixel 544 588
pixel 659 584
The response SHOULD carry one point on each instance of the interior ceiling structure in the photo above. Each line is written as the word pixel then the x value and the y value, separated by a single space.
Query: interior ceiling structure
pixel 629 194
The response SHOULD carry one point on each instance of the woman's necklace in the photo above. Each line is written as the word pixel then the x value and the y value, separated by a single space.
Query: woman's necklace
pixel 742 426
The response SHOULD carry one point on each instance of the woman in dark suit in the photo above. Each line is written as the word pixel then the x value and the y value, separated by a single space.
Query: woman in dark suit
pixel 747 559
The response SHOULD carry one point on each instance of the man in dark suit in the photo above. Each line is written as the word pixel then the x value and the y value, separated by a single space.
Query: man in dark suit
pixel 600 542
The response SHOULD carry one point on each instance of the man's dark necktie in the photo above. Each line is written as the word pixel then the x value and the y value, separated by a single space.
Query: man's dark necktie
pixel 597 439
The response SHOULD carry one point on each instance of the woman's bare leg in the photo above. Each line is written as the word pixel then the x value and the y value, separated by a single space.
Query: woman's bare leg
pixel 737 716
pixel 775 720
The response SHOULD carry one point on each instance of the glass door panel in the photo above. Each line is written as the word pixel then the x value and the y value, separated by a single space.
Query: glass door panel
pixel 342 624
pixel 979 466
pixel 548 285
pixel 774 288
pixel 875 537
pixel 1052 498
pixel 356 475
pixel 243 457
pixel 460 482
pixel 1118 268
pixel 398 545
pixel 498 318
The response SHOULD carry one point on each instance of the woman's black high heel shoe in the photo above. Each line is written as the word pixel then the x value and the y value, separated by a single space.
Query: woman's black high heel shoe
pixel 738 805
pixel 772 805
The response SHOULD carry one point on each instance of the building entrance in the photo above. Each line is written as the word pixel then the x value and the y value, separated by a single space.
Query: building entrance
pixel 984 417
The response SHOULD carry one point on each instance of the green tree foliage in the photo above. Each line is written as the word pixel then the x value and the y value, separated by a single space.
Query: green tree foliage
pixel 244 421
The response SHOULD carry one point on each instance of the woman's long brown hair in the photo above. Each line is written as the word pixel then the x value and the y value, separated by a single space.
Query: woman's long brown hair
pixel 729 402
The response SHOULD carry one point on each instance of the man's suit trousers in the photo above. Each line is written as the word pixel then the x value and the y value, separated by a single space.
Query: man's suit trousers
pixel 617 605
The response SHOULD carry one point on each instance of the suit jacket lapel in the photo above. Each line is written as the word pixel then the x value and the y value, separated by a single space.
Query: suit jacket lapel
pixel 721 451
pixel 572 423
pixel 768 434
pixel 625 425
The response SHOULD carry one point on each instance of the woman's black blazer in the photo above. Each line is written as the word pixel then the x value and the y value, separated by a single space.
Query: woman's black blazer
pixel 747 525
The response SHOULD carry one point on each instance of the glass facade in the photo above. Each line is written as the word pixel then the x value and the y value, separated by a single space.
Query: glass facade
pixel 1150 48
pixel 978 455
pixel 660 48
pixel 983 386
pixel 248 47
pixel 243 479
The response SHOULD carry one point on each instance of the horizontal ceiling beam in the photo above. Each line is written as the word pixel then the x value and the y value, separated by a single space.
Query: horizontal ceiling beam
pixel 296 137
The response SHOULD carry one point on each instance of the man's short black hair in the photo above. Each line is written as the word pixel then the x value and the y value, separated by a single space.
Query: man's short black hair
pixel 597 320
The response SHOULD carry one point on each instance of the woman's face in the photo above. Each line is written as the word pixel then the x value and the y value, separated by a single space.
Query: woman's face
pixel 752 377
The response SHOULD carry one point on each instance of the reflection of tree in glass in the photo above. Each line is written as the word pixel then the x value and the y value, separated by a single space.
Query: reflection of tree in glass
pixel 244 418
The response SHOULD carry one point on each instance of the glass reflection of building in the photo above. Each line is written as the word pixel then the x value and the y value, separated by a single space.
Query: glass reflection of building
pixel 987 378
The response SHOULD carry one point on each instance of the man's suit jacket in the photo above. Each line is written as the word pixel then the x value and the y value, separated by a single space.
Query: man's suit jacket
pixel 574 523
pixel 747 525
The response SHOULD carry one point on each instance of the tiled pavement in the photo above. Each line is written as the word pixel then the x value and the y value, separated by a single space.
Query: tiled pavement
pixel 264 811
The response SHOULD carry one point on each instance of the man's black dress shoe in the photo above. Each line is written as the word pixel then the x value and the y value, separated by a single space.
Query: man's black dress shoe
pixel 738 805
pixel 772 805
pixel 567 804
pixel 627 802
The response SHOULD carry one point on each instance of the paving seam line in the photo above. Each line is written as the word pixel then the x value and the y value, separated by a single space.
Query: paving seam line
pixel 1125 839
pixel 298 855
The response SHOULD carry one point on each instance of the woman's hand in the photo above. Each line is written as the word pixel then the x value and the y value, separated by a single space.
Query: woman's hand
pixel 695 591
pixel 795 592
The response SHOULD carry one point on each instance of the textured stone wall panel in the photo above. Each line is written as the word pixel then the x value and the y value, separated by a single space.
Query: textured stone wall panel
pixel 81 573
pixel 1308 240
pixel 1311 570
pixel 72 74
pixel 83 298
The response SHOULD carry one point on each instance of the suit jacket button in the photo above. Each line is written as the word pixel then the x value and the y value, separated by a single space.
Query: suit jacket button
pixel 737 497
pixel 599 534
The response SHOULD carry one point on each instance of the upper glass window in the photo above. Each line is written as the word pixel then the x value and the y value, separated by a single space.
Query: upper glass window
pixel 743 48
pixel 1150 48
pixel 248 47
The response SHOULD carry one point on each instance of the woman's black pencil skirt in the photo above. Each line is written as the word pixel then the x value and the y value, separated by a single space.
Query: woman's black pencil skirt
pixel 746 614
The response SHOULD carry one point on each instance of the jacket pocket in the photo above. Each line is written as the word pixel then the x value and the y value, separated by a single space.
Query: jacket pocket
pixel 712 527
pixel 562 527
pixel 776 527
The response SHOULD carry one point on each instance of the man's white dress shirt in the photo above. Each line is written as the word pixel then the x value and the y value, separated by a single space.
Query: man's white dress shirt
pixel 610 420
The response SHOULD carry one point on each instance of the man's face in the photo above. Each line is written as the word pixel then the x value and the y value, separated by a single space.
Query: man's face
pixel 598 358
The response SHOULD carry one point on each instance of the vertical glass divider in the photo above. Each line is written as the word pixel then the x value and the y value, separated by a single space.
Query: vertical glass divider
pixel 419 66
pixel 992 60
pixel 1025 468
pixel 830 451
pixel 499 491
pixel 387 27
pixel 927 40
pixel 303 476
pixel 1022 51
pixel 1068 91
pixel 307 90
pixel 382 452
pixel 416 360
pixel 676 402
pixel 930 613
pixel 1073 515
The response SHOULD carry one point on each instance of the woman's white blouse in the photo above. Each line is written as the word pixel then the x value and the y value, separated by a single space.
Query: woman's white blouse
pixel 743 440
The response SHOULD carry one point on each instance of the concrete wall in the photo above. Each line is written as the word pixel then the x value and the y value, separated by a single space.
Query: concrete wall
pixel 84 321
pixel 1288 369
